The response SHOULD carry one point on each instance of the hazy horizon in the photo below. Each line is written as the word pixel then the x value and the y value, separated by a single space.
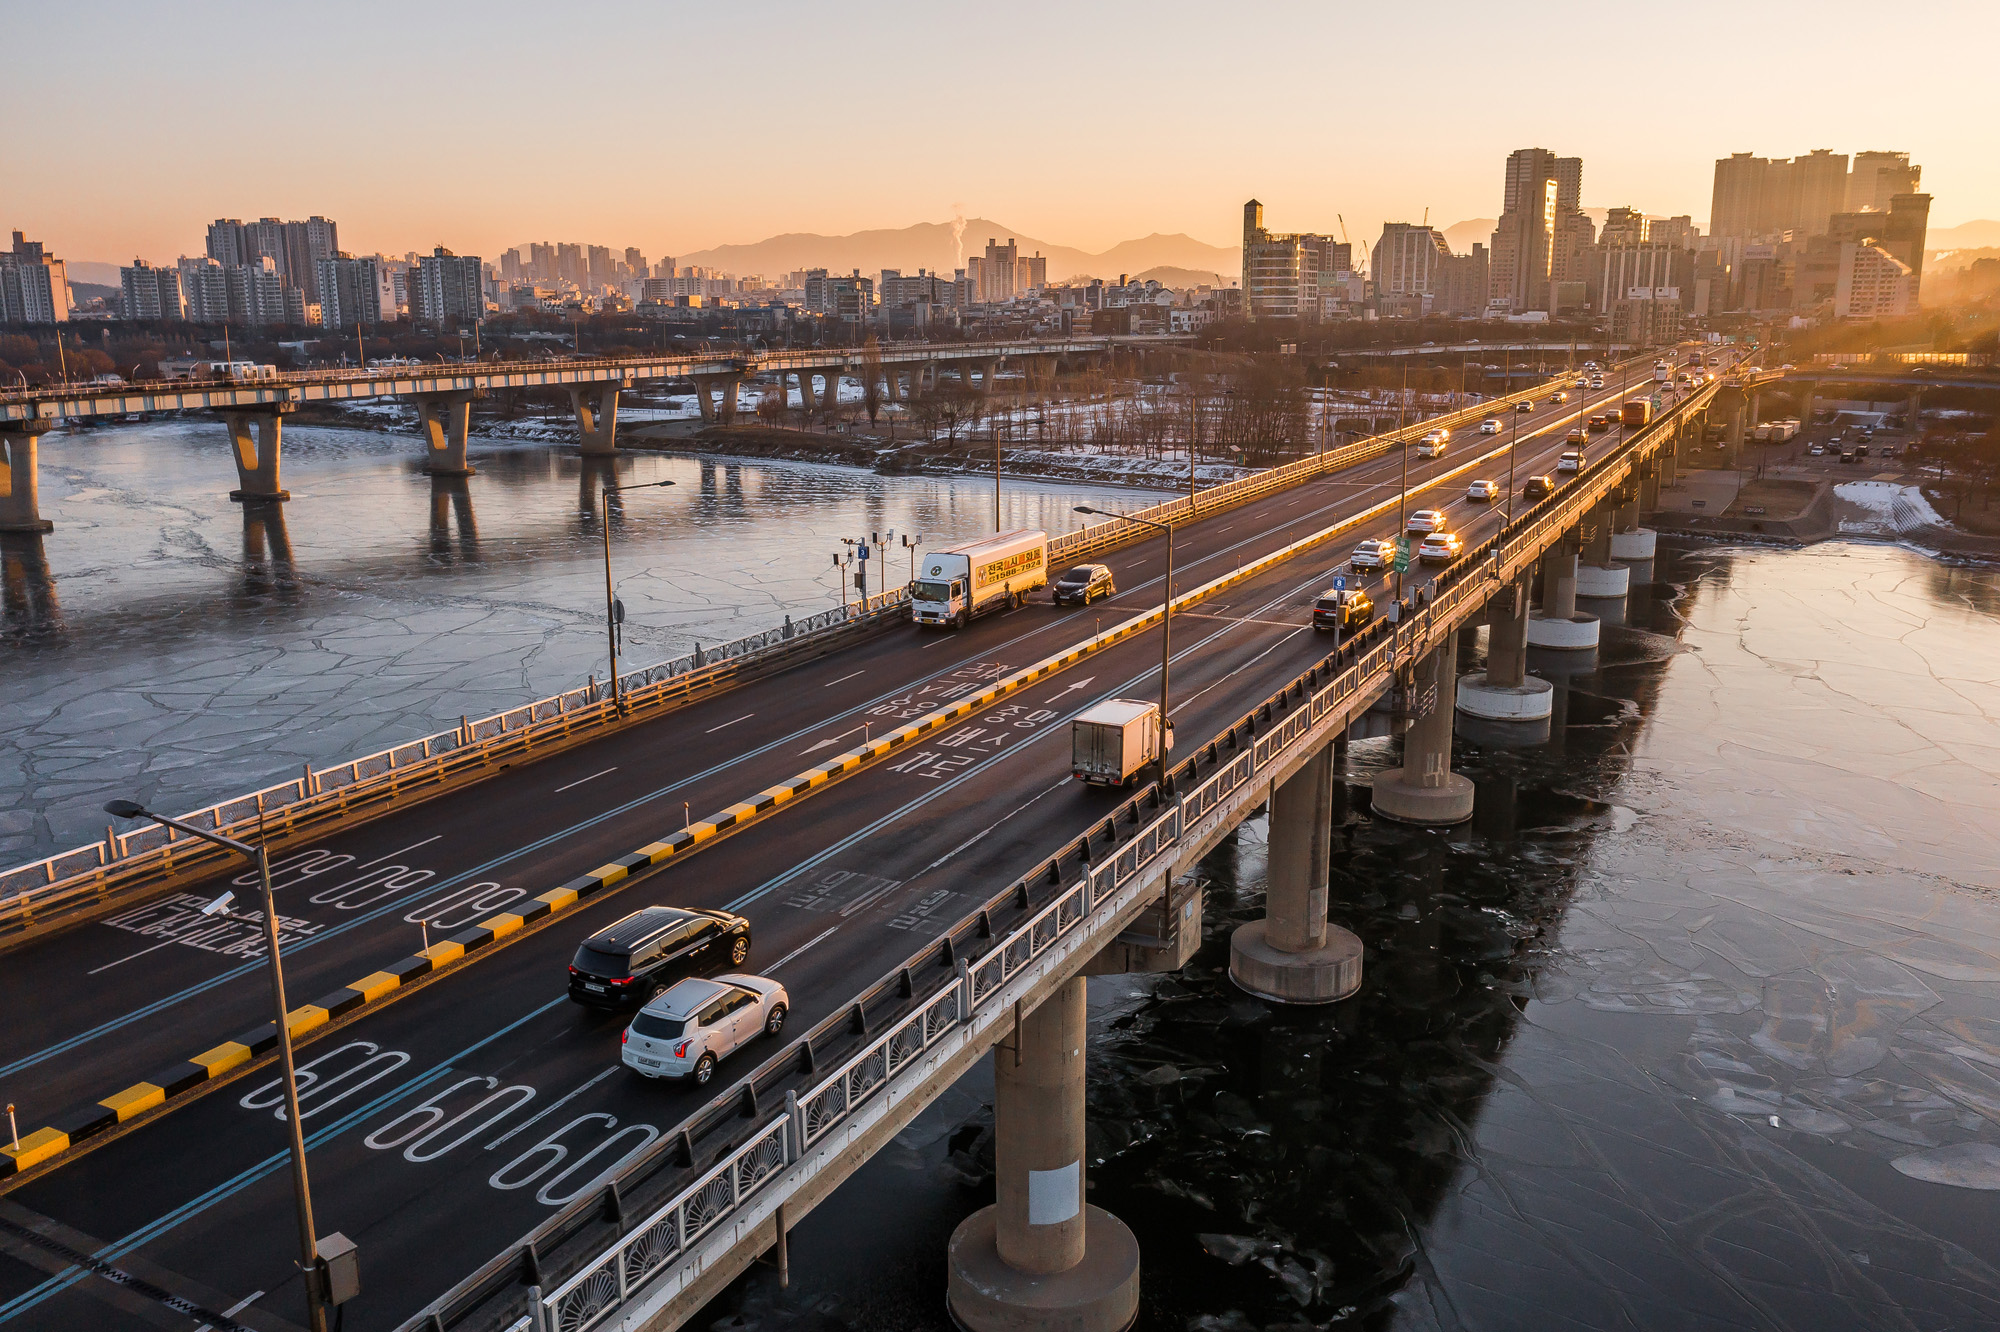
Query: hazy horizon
pixel 1102 125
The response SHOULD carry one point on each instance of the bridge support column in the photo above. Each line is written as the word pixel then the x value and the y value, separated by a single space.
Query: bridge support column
pixel 1293 955
pixel 1505 691
pixel 1809 403
pixel 829 390
pixel 1425 790
pixel 445 419
pixel 808 399
pixel 20 501
pixel 256 458
pixel 1910 410
pixel 1629 540
pixel 1596 575
pixel 596 407
pixel 1041 1257
pixel 722 407
pixel 1556 624
pixel 987 371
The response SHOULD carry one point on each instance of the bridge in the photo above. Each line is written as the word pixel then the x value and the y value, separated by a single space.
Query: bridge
pixel 892 812
pixel 253 408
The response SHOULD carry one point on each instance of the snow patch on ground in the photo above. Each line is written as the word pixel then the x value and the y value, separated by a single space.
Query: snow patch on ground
pixel 1892 509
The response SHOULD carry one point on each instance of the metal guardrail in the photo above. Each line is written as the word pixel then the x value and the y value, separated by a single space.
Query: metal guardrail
pixel 59 884
pixel 974 959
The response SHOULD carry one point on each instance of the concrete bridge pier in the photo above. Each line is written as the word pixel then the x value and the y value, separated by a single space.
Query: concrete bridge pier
pixel 1556 624
pixel 1293 955
pixel 988 370
pixel 1596 575
pixel 1809 403
pixel 596 408
pixel 1911 409
pixel 1040 1256
pixel 722 410
pixel 808 400
pixel 256 457
pixel 1631 542
pixel 1425 790
pixel 20 502
pixel 1505 691
pixel 445 420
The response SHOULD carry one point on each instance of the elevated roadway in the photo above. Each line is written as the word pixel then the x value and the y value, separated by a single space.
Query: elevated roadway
pixel 838 887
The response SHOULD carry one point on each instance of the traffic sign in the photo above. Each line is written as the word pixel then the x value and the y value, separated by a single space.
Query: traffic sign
pixel 1402 554
pixel 1340 582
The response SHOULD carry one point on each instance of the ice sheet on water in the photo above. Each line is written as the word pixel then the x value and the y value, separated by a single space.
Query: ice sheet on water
pixel 1964 1165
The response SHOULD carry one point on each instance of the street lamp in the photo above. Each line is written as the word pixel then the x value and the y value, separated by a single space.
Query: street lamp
pixel 614 610
pixel 1166 624
pixel 301 1189
pixel 910 543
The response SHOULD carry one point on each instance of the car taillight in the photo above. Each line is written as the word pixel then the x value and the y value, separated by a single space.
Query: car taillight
pixel 574 972
pixel 624 980
pixel 680 1051
pixel 625 1036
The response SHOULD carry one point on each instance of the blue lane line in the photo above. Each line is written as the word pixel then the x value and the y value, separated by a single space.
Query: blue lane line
pixel 467 876
pixel 270 1165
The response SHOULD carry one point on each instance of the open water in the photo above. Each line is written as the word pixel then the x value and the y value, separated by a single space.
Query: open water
pixel 1696 1025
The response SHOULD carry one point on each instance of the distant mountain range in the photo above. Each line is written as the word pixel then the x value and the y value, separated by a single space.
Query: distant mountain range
pixel 941 247
pixel 1966 235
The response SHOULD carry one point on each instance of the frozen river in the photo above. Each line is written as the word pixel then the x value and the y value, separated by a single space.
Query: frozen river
pixel 1696 1025
pixel 168 644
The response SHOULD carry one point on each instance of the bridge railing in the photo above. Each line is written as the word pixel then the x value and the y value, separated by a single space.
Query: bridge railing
pixel 969 968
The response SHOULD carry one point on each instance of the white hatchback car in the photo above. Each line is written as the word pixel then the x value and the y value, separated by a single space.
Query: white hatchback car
pixel 1372 555
pixel 1483 490
pixel 1571 461
pixel 688 1030
pixel 1426 520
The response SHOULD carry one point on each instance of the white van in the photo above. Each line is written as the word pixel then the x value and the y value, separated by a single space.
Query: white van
pixel 973 577
pixel 1431 446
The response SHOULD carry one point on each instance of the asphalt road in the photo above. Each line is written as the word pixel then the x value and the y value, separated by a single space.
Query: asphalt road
pixel 448 1123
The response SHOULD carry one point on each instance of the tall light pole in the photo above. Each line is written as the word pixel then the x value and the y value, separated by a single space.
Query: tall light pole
pixel 613 612
pixel 1166 624
pixel 301 1187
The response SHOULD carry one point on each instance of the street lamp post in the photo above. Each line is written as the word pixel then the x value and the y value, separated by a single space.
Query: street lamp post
pixel 613 611
pixel 1166 624
pixel 301 1187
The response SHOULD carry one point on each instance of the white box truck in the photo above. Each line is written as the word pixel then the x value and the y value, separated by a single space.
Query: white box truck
pixel 1114 740
pixel 958 582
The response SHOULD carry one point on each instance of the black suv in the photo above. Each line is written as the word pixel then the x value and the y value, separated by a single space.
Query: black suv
pixel 629 961
pixel 1539 487
pixel 1349 608
pixel 1083 584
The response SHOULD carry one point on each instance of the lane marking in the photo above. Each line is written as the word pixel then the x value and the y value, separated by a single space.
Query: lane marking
pixel 581 780
pixel 129 956
pixel 234 1309
pixel 831 930
pixel 726 725
pixel 391 856
pixel 814 749
pixel 553 1106
pixel 981 834
pixel 843 679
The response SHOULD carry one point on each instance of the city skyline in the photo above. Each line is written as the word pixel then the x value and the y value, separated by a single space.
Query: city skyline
pixel 1159 161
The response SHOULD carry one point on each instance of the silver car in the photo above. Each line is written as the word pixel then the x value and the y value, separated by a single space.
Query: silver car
pixel 691 1028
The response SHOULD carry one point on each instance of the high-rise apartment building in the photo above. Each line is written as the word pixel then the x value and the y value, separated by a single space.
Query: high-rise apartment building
pixel 570 264
pixel 1284 272
pixel 1877 178
pixel 34 285
pixel 601 272
pixel 1873 284
pixel 635 263
pixel 1409 262
pixel 146 292
pixel 1542 241
pixel 999 271
pixel 353 291
pixel 448 287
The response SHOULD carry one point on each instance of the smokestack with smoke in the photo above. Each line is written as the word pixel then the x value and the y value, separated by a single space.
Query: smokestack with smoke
pixel 958 235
